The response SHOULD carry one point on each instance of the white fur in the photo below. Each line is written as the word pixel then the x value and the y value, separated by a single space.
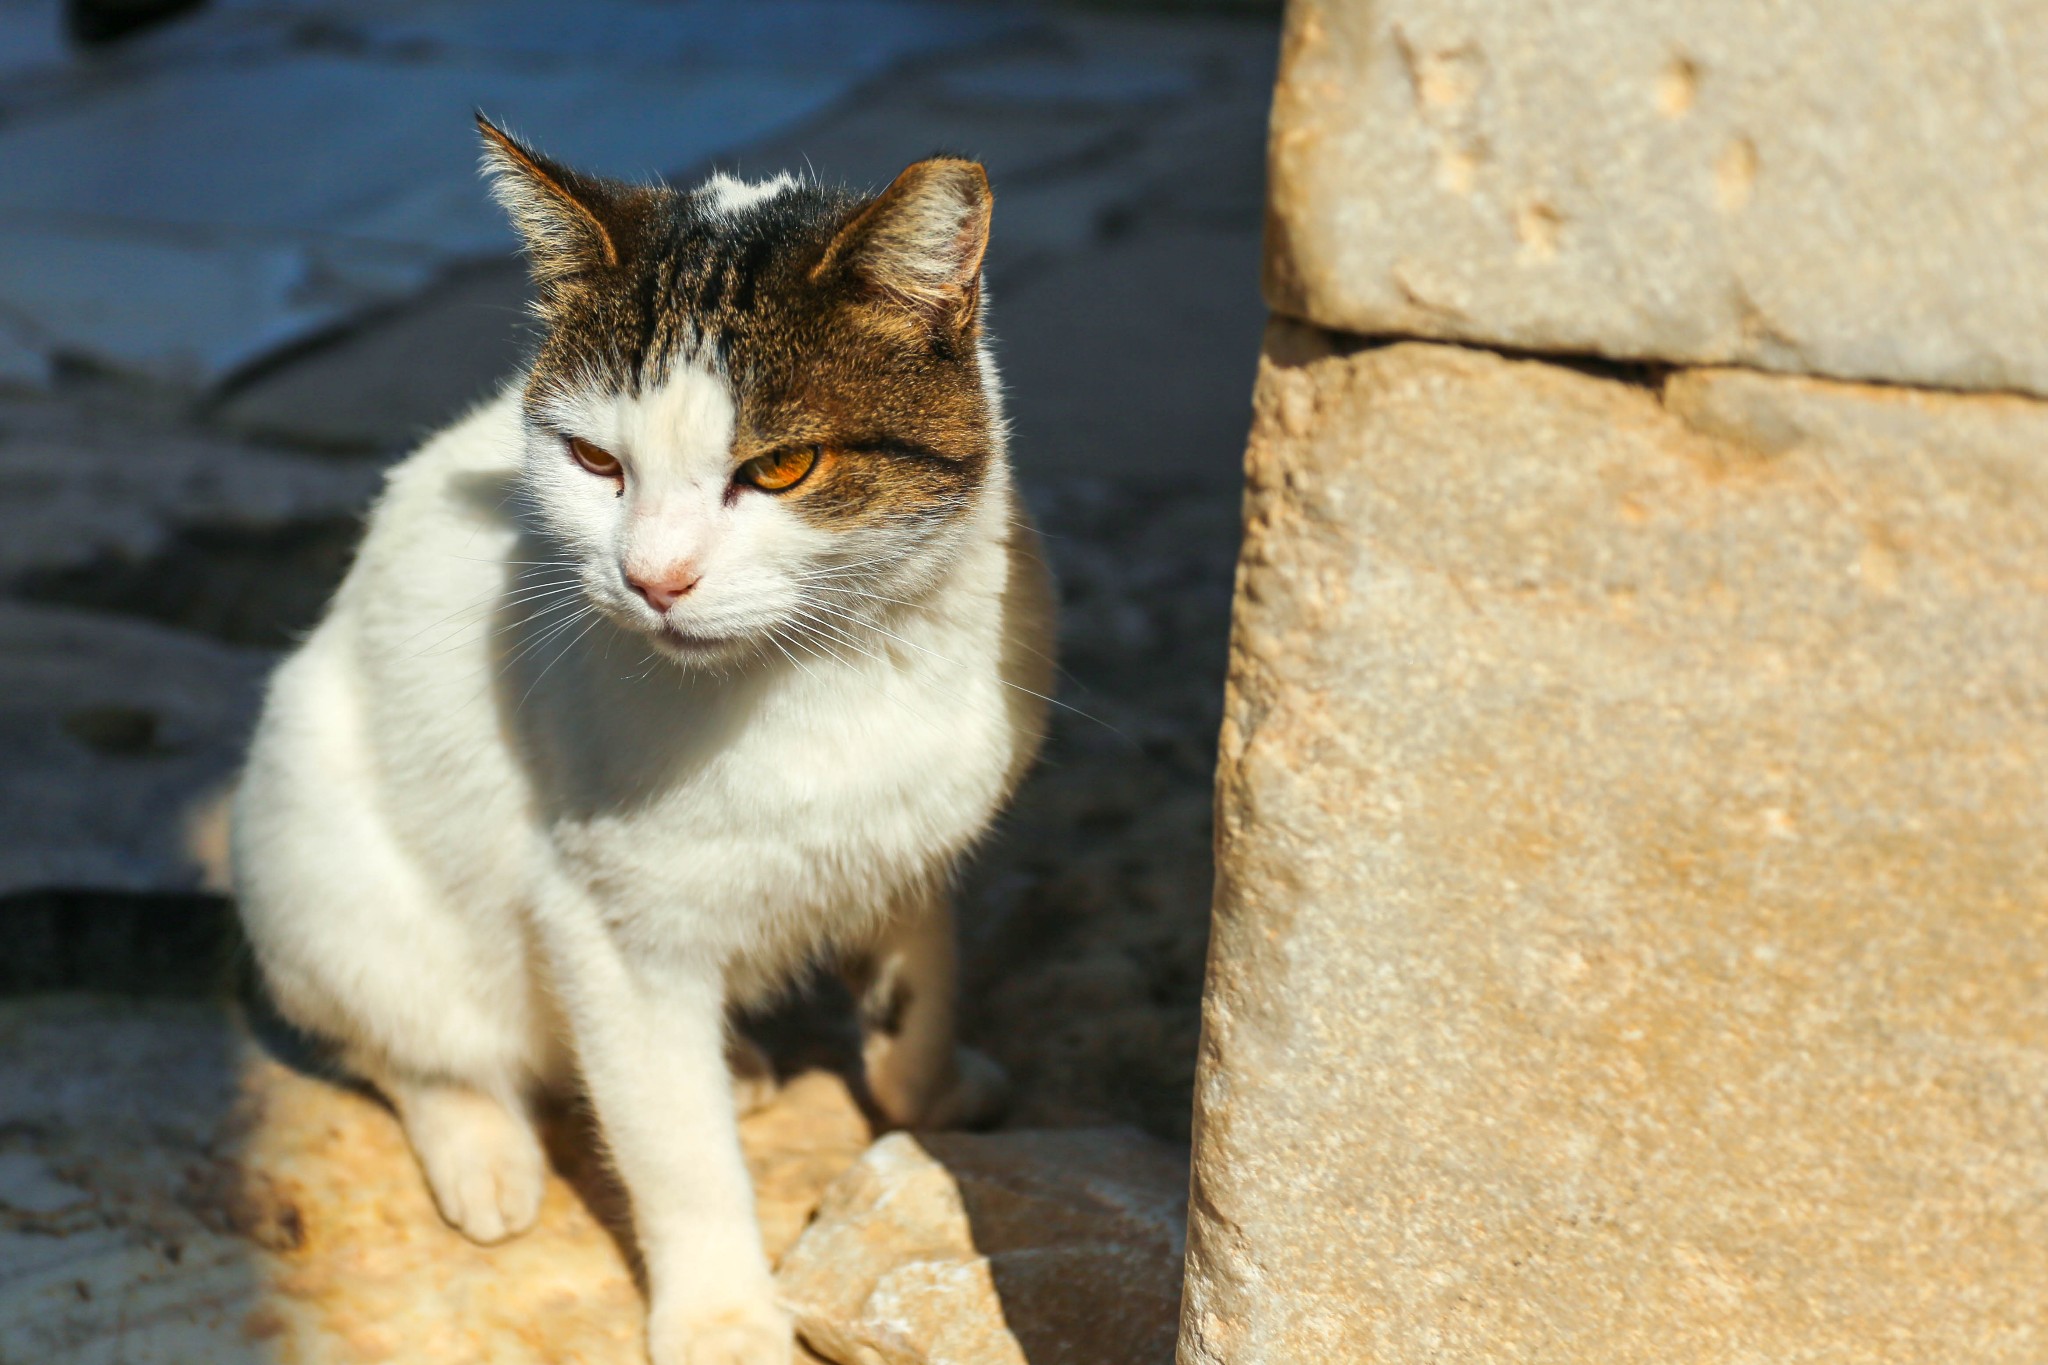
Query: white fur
pixel 732 195
pixel 493 823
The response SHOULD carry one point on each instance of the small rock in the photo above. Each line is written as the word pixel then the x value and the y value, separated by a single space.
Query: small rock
pixel 1046 1247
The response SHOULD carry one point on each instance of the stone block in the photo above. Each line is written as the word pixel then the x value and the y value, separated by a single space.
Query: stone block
pixel 1850 188
pixel 1631 936
pixel 1037 1247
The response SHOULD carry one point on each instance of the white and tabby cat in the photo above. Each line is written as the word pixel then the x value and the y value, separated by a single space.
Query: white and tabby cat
pixel 702 653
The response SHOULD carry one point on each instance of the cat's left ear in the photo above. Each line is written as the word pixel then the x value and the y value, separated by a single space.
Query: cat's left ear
pixel 921 242
pixel 569 220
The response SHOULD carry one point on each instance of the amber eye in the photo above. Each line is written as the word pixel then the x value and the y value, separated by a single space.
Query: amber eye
pixel 779 470
pixel 596 459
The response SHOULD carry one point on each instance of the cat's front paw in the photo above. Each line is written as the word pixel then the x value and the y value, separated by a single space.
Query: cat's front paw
pixel 749 1333
pixel 483 1162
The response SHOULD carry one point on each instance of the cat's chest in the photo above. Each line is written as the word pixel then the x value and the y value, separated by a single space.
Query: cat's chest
pixel 868 778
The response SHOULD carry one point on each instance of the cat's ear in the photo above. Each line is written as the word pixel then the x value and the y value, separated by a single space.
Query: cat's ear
pixel 920 243
pixel 567 219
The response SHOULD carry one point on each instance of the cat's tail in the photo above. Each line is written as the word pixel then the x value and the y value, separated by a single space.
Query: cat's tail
pixel 206 838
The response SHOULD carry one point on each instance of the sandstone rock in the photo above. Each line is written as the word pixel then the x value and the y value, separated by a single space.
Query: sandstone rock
pixel 1046 1247
pixel 170 1193
pixel 1845 188
pixel 1633 845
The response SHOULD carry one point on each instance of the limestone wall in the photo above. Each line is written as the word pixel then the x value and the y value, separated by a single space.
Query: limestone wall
pixel 1631 929
pixel 1841 187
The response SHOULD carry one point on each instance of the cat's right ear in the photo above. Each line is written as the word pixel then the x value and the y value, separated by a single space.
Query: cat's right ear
pixel 568 220
pixel 921 241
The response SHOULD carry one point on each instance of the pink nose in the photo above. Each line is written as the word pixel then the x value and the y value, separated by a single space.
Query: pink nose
pixel 661 591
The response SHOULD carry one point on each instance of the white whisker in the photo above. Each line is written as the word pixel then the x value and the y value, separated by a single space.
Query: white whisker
pixel 1019 687
pixel 484 603
pixel 560 655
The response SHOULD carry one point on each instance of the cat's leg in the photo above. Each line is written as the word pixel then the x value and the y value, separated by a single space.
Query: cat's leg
pixel 650 1038
pixel 416 1025
pixel 433 1008
pixel 916 1073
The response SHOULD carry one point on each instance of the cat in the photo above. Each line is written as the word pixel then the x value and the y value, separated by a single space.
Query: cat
pixel 701 653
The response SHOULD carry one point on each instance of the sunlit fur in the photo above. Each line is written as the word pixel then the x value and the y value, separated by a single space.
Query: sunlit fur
pixel 504 826
pixel 771 581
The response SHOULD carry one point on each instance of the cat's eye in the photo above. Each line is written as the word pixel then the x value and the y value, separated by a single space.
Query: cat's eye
pixel 596 459
pixel 779 470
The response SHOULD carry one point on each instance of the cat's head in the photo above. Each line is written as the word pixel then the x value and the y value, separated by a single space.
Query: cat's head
pixel 760 414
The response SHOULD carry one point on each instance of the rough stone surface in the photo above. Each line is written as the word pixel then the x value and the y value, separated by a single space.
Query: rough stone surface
pixel 1023 1248
pixel 1849 188
pixel 1633 845
pixel 171 1193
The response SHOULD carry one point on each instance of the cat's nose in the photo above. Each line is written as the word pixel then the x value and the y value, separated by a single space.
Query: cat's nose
pixel 663 590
